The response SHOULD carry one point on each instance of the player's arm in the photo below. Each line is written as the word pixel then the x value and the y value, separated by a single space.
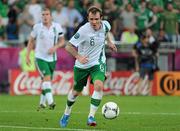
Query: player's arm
pixel 111 45
pixel 59 44
pixel 72 50
pixel 30 46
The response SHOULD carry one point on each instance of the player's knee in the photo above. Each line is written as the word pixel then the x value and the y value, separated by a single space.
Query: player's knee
pixel 75 93
pixel 47 78
pixel 98 85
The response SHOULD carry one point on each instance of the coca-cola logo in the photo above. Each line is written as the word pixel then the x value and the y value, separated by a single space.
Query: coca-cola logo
pixel 25 83
pixel 169 84
pixel 127 85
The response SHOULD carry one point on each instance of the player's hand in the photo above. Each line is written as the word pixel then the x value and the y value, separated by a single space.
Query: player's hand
pixel 28 61
pixel 52 50
pixel 82 59
pixel 112 47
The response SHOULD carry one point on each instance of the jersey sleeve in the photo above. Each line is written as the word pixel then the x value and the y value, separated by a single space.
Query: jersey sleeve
pixel 60 31
pixel 77 38
pixel 107 26
pixel 34 31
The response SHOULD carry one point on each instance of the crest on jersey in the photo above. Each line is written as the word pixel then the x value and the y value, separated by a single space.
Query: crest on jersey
pixel 77 35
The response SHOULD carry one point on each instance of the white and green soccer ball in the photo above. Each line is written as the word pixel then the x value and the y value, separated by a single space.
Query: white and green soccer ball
pixel 110 110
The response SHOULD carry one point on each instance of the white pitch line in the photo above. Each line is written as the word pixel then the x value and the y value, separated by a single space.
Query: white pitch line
pixel 151 113
pixel 124 113
pixel 43 128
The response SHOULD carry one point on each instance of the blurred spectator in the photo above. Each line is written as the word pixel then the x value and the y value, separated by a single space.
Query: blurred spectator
pixel 124 3
pixel 97 4
pixel 162 37
pixel 60 17
pixel 74 18
pixel 20 4
pixel 35 10
pixel 12 27
pixel 2 33
pixel 158 3
pixel 22 59
pixel 50 3
pixel 4 11
pixel 157 20
pixel 128 16
pixel 170 23
pixel 25 23
pixel 129 36
pixel 145 18
pixel 135 3
pixel 2 29
pixel 150 36
pixel 11 2
pixel 110 13
pixel 85 4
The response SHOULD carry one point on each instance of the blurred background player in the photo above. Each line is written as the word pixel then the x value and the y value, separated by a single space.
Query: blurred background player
pixel 48 37
pixel 22 59
pixel 90 61
pixel 145 54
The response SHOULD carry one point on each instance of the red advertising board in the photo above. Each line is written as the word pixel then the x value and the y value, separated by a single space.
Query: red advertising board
pixel 125 83
pixel 117 83
pixel 30 82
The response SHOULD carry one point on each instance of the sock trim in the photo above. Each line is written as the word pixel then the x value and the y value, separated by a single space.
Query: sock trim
pixel 95 102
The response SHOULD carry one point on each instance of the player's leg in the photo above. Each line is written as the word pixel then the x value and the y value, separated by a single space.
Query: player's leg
pixel 45 73
pixel 52 66
pixel 80 80
pixel 142 74
pixel 47 86
pixel 98 77
pixel 150 80
pixel 42 103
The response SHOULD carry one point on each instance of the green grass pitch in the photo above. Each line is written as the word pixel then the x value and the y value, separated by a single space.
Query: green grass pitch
pixel 137 113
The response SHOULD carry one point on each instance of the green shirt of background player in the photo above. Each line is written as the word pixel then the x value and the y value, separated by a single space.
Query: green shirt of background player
pixel 90 61
pixel 48 37
pixel 22 59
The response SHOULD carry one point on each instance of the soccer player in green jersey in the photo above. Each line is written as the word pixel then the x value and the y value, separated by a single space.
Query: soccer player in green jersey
pixel 90 61
pixel 47 37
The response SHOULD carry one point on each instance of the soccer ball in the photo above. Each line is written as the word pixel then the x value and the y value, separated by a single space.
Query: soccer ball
pixel 110 110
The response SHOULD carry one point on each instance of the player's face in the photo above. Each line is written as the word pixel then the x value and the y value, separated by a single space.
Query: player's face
pixel 95 20
pixel 46 17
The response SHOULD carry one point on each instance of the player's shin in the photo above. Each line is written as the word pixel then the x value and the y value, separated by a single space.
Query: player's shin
pixel 47 90
pixel 42 98
pixel 95 102
pixel 70 101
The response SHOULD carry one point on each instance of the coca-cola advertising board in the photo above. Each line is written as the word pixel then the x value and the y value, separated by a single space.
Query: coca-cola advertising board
pixel 117 83
pixel 125 83
pixel 22 83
